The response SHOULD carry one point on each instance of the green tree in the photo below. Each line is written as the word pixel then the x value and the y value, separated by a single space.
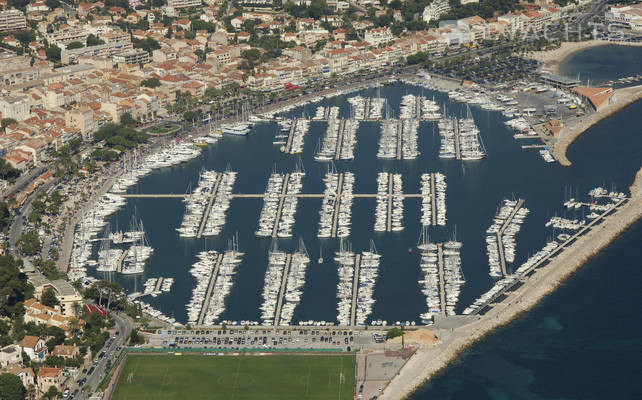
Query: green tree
pixel 75 45
pixel 11 387
pixel 151 82
pixel 93 40
pixel 52 393
pixel 53 53
pixel 127 120
pixel 49 298
pixel 7 121
pixel 29 243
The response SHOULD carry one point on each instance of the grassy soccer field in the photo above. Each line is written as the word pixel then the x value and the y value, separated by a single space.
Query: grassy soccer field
pixel 236 377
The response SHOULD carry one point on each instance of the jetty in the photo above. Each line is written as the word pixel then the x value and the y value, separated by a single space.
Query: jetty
pixel 457 146
pixel 399 141
pixel 389 217
pixel 288 145
pixel 210 288
pixel 337 149
pixel 119 268
pixel 159 282
pixel 355 289
pixel 442 282
pixel 279 211
pixel 433 209
pixel 279 304
pixel 337 204
pixel 500 244
pixel 206 214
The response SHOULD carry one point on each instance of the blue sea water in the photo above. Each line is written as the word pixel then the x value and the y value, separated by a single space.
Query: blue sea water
pixel 582 341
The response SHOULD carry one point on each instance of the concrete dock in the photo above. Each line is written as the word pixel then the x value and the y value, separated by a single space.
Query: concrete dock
pixel 457 147
pixel 442 282
pixel 339 146
pixel 432 199
pixel 210 288
pixel 500 244
pixel 119 268
pixel 355 289
pixel 389 217
pixel 284 190
pixel 159 283
pixel 399 136
pixel 206 214
pixel 288 145
pixel 337 204
pixel 284 280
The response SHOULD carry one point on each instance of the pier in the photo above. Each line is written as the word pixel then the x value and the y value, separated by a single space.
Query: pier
pixel 355 289
pixel 337 204
pixel 288 146
pixel 119 268
pixel 279 304
pixel 389 218
pixel 432 199
pixel 457 147
pixel 399 134
pixel 547 258
pixel 210 288
pixel 534 146
pixel 206 214
pixel 500 244
pixel 279 211
pixel 159 282
pixel 258 196
pixel 337 149
pixel 442 284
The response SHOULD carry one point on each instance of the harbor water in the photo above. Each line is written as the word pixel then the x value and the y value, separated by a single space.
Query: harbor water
pixel 607 157
pixel 600 64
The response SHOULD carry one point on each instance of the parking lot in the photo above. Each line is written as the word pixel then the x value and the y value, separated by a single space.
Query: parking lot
pixel 268 338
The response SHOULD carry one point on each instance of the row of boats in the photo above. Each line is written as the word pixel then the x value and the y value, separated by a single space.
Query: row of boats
pixel 339 140
pixel 295 142
pixel 398 139
pixel 368 274
pixel 323 112
pixel 419 108
pixel 367 108
pixel 506 225
pixel 292 287
pixel 336 200
pixel 156 286
pixel 460 139
pixel 439 192
pixel 382 211
pixel 275 201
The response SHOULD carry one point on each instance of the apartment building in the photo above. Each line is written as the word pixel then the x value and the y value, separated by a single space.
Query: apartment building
pixel 12 20
pixel 183 3
pixel 134 56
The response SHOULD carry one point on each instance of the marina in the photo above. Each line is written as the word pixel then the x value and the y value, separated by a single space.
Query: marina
pixel 500 239
pixel 298 130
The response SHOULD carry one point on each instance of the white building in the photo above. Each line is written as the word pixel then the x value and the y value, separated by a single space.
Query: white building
pixel 134 56
pixel 378 36
pixel 183 3
pixel 11 20
pixel 435 10
pixel 627 15
pixel 16 107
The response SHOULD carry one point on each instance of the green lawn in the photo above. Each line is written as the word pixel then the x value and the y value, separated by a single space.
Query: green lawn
pixel 163 129
pixel 236 377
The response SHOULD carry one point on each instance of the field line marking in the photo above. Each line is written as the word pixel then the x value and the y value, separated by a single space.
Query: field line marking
pixel 340 375
pixel 236 377
pixel 307 381
pixel 163 381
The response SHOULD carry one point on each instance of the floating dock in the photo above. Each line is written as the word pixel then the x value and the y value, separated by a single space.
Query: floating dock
pixel 337 204
pixel 399 141
pixel 279 304
pixel 206 214
pixel 433 190
pixel 457 146
pixel 355 289
pixel 500 244
pixel 279 211
pixel 288 145
pixel 442 281
pixel 159 282
pixel 337 149
pixel 119 268
pixel 210 288
pixel 389 220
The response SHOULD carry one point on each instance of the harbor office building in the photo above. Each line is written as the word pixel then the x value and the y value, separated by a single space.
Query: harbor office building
pixel 557 81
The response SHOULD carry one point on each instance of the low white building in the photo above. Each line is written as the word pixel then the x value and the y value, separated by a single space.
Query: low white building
pixel 626 15
pixel 435 10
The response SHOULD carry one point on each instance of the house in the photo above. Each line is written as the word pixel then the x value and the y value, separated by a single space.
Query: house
pixel 81 118
pixel 65 351
pixel 26 375
pixel 11 354
pixel 34 347
pixel 48 377
pixel 378 36
pixel 66 294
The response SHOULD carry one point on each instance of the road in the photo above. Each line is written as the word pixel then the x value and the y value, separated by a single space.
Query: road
pixel 123 327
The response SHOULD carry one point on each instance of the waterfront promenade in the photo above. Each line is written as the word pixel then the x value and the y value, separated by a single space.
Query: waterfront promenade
pixel 429 360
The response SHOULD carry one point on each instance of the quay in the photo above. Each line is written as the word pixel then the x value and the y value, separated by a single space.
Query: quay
pixel 366 107
pixel 355 289
pixel 210 288
pixel 279 211
pixel 500 244
pixel 442 283
pixel 337 204
pixel 206 214
pixel 121 261
pixel 534 146
pixel 547 258
pixel 525 136
pixel 457 147
pixel 389 217
pixel 279 304
pixel 337 149
pixel 432 199
pixel 255 196
pixel 419 100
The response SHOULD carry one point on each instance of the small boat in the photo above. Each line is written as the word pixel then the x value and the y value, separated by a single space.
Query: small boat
pixel 320 261
pixel 410 250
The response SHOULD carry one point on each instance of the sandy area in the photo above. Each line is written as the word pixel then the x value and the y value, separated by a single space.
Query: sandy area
pixel 552 58
pixel 420 336
pixel 428 361
pixel 623 97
